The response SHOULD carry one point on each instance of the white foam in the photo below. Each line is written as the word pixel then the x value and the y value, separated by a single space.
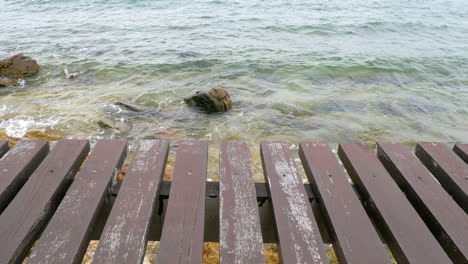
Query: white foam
pixel 19 125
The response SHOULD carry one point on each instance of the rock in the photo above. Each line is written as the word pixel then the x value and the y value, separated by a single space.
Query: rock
pixel 18 66
pixel 42 135
pixel 6 83
pixel 212 101
pixel 105 123
pixel 131 106
pixel 69 75
pixel 123 172
pixel 34 134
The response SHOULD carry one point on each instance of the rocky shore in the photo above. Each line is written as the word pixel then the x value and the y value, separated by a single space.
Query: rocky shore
pixel 33 134
pixel 17 67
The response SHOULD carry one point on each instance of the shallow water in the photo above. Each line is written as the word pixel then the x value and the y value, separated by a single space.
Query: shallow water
pixel 297 70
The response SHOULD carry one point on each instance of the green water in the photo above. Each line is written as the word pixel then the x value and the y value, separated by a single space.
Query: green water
pixel 296 70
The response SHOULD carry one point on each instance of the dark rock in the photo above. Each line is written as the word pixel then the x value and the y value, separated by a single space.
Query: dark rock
pixel 18 66
pixel 212 101
pixel 132 106
pixel 105 123
pixel 6 83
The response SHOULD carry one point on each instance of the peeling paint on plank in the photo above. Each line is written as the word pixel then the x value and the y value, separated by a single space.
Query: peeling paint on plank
pixel 125 234
pixel 298 234
pixel 240 235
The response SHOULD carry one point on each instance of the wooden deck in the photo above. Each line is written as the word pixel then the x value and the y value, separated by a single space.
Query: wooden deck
pixel 413 204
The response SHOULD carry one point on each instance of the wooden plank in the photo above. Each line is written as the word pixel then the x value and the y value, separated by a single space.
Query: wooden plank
pixel 28 213
pixel 3 147
pixel 182 234
pixel 447 221
pixel 240 233
pixel 355 239
pixel 67 235
pixel 405 232
pixel 462 151
pixel 17 166
pixel 448 168
pixel 125 234
pixel 298 235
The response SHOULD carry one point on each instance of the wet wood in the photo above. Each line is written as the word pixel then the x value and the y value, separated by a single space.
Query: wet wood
pixel 67 235
pixel 355 239
pixel 298 235
pixel 462 151
pixel 240 234
pixel 28 213
pixel 17 166
pixel 3 147
pixel 447 221
pixel 182 234
pixel 406 234
pixel 124 237
pixel 449 169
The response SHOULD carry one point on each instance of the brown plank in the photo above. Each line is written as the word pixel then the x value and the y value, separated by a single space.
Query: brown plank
pixel 462 151
pixel 355 239
pixel 405 232
pixel 447 221
pixel 125 234
pixel 26 215
pixel 3 147
pixel 67 235
pixel 448 168
pixel 17 166
pixel 298 235
pixel 182 234
pixel 240 233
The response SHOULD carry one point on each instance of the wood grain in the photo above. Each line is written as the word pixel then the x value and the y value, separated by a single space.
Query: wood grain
pixel 462 151
pixel 67 235
pixel 17 166
pixel 28 213
pixel 355 238
pixel 240 233
pixel 449 169
pixel 125 234
pixel 298 235
pixel 447 221
pixel 3 147
pixel 403 229
pixel 182 234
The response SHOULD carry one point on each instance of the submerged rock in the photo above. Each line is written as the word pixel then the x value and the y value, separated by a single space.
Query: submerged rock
pixel 212 101
pixel 131 106
pixel 18 66
pixel 105 123
pixel 6 83
pixel 33 134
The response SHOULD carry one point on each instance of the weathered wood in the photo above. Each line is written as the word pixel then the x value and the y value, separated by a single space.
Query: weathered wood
pixel 449 169
pixel 447 221
pixel 125 234
pixel 462 151
pixel 182 234
pixel 240 234
pixel 17 166
pixel 67 235
pixel 404 231
pixel 3 147
pixel 298 235
pixel 26 215
pixel 355 239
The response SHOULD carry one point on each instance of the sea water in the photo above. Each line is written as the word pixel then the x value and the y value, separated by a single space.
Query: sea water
pixel 296 70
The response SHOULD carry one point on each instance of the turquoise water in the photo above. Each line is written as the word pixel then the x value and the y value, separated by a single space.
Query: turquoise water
pixel 296 70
